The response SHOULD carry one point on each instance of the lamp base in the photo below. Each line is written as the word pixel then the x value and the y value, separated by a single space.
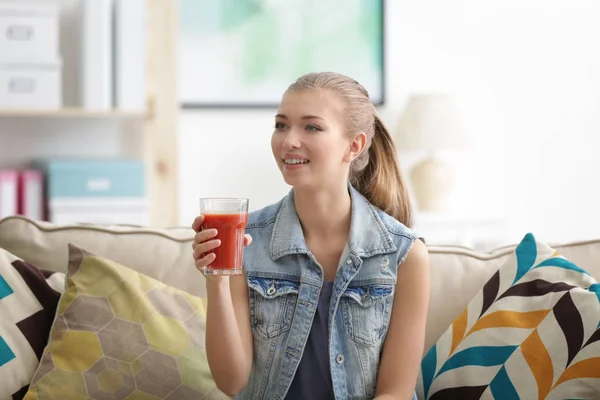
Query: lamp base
pixel 432 181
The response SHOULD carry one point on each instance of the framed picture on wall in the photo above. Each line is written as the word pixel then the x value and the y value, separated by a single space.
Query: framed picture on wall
pixel 245 53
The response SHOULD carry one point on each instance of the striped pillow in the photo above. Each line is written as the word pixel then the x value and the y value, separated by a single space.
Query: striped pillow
pixel 532 332
pixel 28 302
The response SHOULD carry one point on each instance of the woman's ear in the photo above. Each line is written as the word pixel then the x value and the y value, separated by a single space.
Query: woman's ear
pixel 356 146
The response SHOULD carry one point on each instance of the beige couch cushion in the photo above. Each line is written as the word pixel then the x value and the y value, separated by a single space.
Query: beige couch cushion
pixel 457 274
pixel 165 254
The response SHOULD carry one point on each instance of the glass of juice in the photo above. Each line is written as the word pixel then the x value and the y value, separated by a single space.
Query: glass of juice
pixel 229 217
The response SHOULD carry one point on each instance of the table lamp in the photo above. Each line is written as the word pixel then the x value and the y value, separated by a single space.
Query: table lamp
pixel 430 123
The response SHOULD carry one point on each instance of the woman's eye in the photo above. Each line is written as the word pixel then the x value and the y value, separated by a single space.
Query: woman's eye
pixel 313 128
pixel 279 125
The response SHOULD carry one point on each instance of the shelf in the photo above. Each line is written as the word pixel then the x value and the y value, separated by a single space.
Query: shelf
pixel 70 113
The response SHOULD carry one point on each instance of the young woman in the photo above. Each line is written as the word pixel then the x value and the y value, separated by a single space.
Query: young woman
pixel 333 301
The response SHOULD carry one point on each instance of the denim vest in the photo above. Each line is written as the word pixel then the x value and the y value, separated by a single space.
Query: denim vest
pixel 284 282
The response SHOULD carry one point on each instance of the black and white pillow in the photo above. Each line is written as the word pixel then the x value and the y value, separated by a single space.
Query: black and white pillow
pixel 28 301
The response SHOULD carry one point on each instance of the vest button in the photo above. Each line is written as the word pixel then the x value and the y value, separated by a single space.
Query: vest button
pixel 339 359
pixel 348 261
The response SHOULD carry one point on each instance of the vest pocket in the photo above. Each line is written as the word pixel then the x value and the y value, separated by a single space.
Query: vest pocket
pixel 366 311
pixel 272 304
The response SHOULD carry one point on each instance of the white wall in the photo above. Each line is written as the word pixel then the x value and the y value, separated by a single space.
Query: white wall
pixel 528 75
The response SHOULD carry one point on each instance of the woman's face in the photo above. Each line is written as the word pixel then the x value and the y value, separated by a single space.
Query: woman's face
pixel 309 143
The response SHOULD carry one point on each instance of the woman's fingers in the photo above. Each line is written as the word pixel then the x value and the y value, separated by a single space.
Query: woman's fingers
pixel 203 236
pixel 202 248
pixel 204 261
pixel 205 242
pixel 197 224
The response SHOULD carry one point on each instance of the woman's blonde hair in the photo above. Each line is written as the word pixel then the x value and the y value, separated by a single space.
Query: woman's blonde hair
pixel 375 172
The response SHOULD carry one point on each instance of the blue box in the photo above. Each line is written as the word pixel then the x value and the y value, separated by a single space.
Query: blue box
pixel 104 178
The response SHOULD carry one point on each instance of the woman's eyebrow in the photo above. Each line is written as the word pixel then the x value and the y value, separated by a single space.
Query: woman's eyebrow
pixel 303 117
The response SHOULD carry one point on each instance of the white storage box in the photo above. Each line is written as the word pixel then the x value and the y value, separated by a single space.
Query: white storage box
pixel 130 211
pixel 31 86
pixel 29 30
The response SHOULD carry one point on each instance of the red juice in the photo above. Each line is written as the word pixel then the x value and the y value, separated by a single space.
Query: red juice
pixel 230 230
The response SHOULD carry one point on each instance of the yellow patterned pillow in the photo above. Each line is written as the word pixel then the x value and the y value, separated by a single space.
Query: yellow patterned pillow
pixel 119 334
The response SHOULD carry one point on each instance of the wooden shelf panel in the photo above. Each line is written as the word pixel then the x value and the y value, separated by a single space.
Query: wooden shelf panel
pixel 70 113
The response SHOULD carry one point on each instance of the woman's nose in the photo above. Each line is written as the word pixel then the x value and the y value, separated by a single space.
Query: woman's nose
pixel 292 140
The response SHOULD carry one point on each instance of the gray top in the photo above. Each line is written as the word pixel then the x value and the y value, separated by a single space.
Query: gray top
pixel 313 376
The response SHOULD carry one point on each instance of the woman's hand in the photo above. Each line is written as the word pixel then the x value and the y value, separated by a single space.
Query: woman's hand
pixel 229 342
pixel 204 243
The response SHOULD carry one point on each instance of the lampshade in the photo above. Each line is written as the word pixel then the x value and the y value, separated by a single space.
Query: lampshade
pixel 430 122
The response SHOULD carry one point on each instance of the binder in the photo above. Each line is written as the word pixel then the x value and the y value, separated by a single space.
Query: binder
pixel 130 54
pixel 31 194
pixel 8 193
pixel 96 63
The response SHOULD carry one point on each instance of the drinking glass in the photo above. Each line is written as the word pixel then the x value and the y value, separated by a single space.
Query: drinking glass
pixel 229 217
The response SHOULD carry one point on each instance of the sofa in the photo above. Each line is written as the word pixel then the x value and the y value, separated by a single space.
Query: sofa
pixel 111 283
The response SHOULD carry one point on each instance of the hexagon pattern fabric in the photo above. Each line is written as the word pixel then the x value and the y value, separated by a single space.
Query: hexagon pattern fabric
pixel 119 334
pixel 532 332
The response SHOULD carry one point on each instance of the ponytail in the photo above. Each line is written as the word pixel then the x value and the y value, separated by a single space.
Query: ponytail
pixel 381 181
